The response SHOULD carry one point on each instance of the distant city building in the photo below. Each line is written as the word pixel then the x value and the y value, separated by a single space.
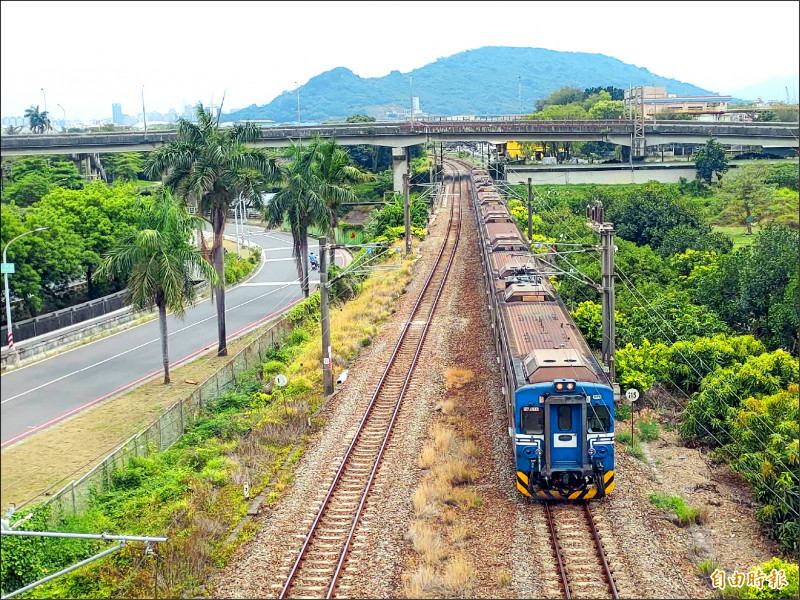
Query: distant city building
pixel 655 100
pixel 188 112
pixel 116 114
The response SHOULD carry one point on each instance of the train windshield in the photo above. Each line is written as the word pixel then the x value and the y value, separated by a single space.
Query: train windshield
pixel 599 418
pixel 532 420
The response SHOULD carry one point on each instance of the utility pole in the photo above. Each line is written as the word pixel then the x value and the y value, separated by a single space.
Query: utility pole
pixel 530 210
pixel 144 114
pixel 407 212
pixel 520 93
pixel 298 103
pixel 411 94
pixel 327 367
pixel 595 220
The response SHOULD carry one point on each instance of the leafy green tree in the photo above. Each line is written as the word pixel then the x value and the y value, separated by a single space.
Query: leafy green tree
pixel 332 176
pixel 39 122
pixel 711 160
pixel 27 179
pixel 300 204
pixel 561 96
pixel 123 166
pixel 45 261
pixel 28 188
pixel 648 212
pixel 772 266
pixel 159 261
pixel 360 119
pixel 614 92
pixel 763 447
pixel 746 194
pixel 607 109
pixel 559 111
pixel 98 214
pixel 683 237
pixel 784 175
pixel 705 418
pixel 215 166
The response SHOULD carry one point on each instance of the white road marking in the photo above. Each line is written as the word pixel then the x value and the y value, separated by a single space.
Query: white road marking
pixel 214 316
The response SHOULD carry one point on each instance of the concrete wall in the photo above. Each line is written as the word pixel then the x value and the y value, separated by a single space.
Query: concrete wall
pixel 611 174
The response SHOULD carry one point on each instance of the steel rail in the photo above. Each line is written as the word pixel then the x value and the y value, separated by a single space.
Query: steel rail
pixel 557 549
pixel 600 552
pixel 344 461
pixel 401 396
pixel 589 516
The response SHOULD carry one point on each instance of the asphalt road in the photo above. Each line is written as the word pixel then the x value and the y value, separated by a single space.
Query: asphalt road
pixel 46 392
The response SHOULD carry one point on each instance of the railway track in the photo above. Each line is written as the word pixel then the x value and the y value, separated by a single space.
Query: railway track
pixel 578 551
pixel 322 556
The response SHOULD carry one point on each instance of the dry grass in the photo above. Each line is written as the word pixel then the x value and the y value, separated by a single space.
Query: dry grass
pixel 442 438
pixel 461 533
pixel 469 448
pixel 458 575
pixel 457 378
pixel 455 472
pixel 447 407
pixel 463 498
pixel 427 457
pixel 426 501
pixel 68 449
pixel 504 578
pixel 427 542
pixel 423 583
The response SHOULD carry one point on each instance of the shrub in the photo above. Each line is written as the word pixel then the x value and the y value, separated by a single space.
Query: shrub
pixel 236 268
pixel 685 514
pixel 648 429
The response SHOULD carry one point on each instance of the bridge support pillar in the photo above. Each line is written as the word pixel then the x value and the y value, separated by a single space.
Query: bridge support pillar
pixel 400 168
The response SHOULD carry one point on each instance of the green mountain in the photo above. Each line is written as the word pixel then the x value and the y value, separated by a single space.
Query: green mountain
pixel 480 82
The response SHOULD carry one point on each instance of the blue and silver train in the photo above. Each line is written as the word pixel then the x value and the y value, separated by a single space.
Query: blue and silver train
pixel 559 401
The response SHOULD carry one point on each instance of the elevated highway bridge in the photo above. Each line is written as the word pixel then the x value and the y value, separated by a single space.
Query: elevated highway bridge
pixel 402 135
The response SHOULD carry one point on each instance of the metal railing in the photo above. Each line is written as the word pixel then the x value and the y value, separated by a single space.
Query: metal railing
pixel 65 317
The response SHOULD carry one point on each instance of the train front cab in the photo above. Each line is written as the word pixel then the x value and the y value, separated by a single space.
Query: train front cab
pixel 555 458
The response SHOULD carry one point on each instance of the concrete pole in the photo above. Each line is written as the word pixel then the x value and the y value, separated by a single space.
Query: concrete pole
pixel 327 367
pixel 9 323
pixel 530 210
pixel 236 226
pixel 407 212
pixel 607 241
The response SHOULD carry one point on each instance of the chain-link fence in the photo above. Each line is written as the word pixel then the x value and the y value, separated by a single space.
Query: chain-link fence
pixel 167 429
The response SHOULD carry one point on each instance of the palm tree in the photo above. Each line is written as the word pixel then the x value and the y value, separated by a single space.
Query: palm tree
pixel 216 167
pixel 298 203
pixel 333 173
pixel 160 262
pixel 39 121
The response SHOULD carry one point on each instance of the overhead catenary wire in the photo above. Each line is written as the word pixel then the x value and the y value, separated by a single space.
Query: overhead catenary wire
pixel 762 440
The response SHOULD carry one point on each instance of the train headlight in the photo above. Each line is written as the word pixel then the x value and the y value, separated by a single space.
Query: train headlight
pixel 570 386
pixel 538 452
pixel 559 386
pixel 591 451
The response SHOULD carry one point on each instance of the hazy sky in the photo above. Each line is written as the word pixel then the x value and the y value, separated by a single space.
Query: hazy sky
pixel 88 55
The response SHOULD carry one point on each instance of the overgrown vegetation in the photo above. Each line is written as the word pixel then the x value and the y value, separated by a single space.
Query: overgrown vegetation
pixel 438 535
pixel 193 492
pixel 716 330
pixel 684 513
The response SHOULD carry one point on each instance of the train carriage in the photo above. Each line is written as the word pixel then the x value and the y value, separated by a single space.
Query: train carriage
pixel 559 402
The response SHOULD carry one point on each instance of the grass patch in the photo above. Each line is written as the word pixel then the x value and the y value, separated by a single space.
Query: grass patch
pixel 707 567
pixel 632 446
pixel 685 514
pixel 457 378
pixel 648 429
pixel 193 491
pixel 458 576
